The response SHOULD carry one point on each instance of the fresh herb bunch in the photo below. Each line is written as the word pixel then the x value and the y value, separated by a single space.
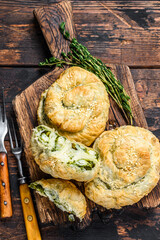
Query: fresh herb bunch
pixel 81 57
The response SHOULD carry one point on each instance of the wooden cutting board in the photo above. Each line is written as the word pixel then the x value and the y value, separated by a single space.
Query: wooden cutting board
pixel 26 103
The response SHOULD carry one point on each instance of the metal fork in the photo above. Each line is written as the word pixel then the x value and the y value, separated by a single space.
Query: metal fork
pixel 3 124
pixel 6 204
pixel 17 152
pixel 29 214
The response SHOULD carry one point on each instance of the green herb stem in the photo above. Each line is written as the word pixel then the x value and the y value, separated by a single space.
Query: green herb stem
pixel 81 57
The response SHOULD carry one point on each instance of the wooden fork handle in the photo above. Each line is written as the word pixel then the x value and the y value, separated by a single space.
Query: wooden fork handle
pixel 29 214
pixel 5 203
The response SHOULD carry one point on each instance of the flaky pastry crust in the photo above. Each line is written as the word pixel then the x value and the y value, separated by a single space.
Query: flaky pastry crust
pixel 64 194
pixel 76 104
pixel 129 170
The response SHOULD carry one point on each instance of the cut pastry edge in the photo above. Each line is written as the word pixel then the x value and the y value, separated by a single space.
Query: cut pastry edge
pixel 62 158
pixel 57 191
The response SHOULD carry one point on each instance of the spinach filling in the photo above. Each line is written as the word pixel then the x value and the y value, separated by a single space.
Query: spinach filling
pixel 76 154
pixel 53 196
pixel 83 164
pixel 59 142
pixel 76 146
pixel 38 188
pixel 55 146
pixel 48 139
pixel 44 137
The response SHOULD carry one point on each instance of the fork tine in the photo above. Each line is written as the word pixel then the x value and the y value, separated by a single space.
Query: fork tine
pixel 14 131
pixel 10 137
pixel 4 107
pixel 0 114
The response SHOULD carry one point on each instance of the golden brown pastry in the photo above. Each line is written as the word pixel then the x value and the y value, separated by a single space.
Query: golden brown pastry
pixel 76 104
pixel 62 158
pixel 129 169
pixel 64 194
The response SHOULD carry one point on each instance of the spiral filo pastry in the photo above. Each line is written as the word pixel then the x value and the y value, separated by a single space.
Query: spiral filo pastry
pixel 129 168
pixel 76 104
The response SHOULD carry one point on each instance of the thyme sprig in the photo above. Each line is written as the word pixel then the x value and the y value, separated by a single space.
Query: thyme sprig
pixel 81 57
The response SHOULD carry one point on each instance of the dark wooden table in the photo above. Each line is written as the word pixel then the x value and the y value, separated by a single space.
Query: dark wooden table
pixel 122 32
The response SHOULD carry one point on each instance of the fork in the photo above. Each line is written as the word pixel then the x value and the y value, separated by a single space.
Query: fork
pixel 5 203
pixel 29 214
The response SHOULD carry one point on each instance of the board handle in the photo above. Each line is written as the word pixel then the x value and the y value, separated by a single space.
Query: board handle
pixel 6 204
pixel 49 19
pixel 29 214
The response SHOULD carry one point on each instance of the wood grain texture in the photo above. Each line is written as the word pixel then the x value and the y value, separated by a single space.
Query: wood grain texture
pixel 147 85
pixel 26 112
pixel 131 223
pixel 120 32
pixel 30 219
pixel 48 19
pixel 5 200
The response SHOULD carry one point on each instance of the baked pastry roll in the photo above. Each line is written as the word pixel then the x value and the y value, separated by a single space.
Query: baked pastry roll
pixel 62 158
pixel 64 194
pixel 129 169
pixel 76 104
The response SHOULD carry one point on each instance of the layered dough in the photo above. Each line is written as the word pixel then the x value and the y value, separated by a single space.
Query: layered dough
pixel 62 158
pixel 76 104
pixel 129 170
pixel 64 194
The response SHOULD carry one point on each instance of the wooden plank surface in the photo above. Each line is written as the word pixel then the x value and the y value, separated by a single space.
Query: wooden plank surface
pixel 133 223
pixel 26 112
pixel 130 223
pixel 130 30
pixel 147 83
pixel 121 32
